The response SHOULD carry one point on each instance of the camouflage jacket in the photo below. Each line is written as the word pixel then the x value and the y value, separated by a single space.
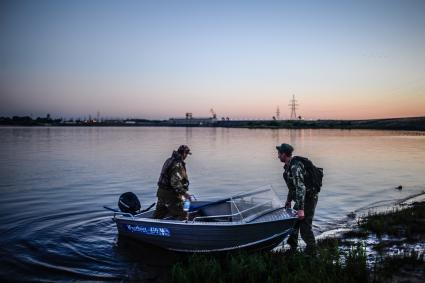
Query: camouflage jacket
pixel 173 181
pixel 294 178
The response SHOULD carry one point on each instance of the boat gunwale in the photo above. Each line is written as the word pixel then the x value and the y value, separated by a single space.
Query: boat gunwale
pixel 204 223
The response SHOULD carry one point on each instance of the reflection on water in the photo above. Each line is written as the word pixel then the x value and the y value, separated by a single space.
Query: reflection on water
pixel 54 182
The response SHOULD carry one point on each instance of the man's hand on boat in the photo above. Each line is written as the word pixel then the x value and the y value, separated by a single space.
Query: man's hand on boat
pixel 187 196
pixel 300 214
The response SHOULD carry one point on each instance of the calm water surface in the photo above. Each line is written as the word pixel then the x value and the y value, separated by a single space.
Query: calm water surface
pixel 54 182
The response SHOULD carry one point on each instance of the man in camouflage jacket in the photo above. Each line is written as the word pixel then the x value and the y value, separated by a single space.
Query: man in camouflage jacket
pixel 173 185
pixel 305 198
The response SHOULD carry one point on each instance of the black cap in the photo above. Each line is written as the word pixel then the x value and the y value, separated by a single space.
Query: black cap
pixel 184 149
pixel 285 148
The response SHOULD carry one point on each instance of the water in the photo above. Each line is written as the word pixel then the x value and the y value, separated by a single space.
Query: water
pixel 54 182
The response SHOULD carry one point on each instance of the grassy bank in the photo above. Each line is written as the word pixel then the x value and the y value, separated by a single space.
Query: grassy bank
pixel 408 222
pixel 329 266
pixel 409 267
pixel 338 260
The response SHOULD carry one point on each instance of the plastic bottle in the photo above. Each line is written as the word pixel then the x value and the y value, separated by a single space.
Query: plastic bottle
pixel 186 205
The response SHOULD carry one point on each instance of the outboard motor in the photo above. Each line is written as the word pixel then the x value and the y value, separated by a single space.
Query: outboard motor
pixel 129 203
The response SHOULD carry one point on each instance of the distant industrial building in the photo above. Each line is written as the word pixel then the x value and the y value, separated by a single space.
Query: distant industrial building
pixel 189 120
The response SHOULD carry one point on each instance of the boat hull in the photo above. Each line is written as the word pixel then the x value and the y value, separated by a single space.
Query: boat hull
pixel 205 236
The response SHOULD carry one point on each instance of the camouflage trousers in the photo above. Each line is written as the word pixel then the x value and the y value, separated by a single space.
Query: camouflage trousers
pixel 169 207
pixel 305 226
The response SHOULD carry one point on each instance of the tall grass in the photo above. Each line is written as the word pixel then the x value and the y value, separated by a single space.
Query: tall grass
pixel 405 222
pixel 410 263
pixel 329 266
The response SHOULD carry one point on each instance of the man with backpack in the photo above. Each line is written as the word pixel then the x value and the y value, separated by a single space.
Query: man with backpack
pixel 304 181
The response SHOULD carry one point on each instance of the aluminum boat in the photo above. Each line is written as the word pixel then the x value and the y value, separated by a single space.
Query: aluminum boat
pixel 253 220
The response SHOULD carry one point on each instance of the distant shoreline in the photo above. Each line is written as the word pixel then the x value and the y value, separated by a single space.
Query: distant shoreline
pixel 401 124
pixel 404 124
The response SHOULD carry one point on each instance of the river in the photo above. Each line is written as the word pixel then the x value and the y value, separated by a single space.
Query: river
pixel 55 180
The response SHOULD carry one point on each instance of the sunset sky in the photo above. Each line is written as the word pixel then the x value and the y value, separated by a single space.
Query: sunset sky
pixel 160 59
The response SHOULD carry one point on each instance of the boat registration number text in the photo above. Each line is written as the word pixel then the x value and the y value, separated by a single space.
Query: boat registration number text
pixel 148 230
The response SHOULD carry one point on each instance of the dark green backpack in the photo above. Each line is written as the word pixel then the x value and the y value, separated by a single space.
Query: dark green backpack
pixel 314 175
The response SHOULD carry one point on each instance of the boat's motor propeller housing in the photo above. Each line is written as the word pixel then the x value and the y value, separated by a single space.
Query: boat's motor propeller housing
pixel 129 203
